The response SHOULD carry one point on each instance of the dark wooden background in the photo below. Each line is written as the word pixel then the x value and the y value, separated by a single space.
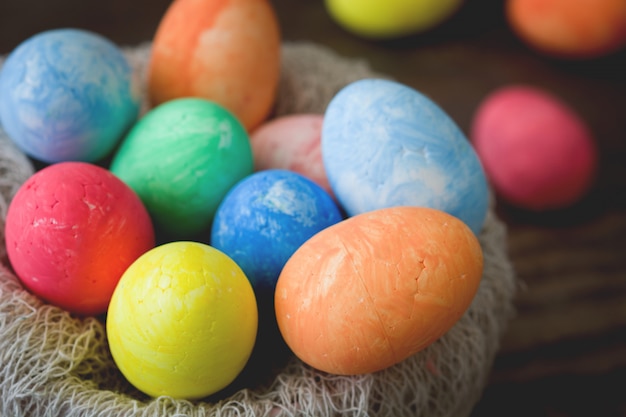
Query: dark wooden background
pixel 565 352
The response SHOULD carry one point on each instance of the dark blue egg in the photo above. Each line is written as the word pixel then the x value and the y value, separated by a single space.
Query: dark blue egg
pixel 266 217
pixel 385 144
pixel 67 95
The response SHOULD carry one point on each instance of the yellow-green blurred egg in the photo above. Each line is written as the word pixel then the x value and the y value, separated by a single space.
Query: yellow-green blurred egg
pixel 182 321
pixel 390 18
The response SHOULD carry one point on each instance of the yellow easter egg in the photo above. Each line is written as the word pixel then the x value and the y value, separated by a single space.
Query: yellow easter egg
pixel 182 321
pixel 390 18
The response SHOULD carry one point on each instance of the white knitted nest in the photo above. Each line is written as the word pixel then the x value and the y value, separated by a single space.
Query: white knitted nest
pixel 54 364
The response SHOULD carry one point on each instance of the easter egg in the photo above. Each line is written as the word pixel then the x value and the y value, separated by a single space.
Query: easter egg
pixel 372 290
pixel 71 231
pixel 182 321
pixel 266 217
pixel 538 153
pixel 390 18
pixel 291 142
pixel 385 144
pixel 67 95
pixel 575 29
pixel 181 159
pixel 225 51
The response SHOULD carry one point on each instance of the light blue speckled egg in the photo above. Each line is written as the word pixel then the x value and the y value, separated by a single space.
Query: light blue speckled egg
pixel 67 94
pixel 385 144
pixel 266 217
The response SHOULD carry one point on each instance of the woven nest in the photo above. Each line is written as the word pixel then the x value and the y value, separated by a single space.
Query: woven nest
pixel 55 364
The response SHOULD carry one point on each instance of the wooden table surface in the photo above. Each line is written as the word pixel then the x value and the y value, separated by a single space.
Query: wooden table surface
pixel 565 352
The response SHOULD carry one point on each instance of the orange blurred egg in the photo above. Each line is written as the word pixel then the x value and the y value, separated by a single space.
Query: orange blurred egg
pixel 227 51
pixel 570 28
pixel 372 290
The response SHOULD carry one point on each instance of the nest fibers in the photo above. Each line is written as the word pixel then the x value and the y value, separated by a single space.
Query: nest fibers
pixel 53 364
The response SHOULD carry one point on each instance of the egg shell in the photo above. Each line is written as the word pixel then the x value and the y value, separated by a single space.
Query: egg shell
pixel 227 51
pixel 575 29
pixel 181 159
pixel 67 95
pixel 371 291
pixel 182 321
pixel 266 217
pixel 538 153
pixel 390 18
pixel 71 230
pixel 291 142
pixel 385 144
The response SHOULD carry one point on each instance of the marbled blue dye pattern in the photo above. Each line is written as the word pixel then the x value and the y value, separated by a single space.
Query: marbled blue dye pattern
pixel 266 217
pixel 67 94
pixel 385 144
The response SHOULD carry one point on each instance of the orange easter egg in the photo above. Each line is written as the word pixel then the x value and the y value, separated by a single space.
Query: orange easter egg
pixel 227 51
pixel 570 28
pixel 372 290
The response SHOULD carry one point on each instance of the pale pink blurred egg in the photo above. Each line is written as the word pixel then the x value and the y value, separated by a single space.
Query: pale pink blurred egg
pixel 291 142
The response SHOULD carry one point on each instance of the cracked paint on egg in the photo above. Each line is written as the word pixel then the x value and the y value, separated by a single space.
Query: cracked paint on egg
pixel 71 231
pixel 374 289
pixel 182 321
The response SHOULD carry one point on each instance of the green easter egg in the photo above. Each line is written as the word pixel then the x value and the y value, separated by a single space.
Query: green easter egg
pixel 182 158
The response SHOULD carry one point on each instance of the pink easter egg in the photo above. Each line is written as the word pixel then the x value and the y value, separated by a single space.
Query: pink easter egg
pixel 72 229
pixel 291 142
pixel 538 153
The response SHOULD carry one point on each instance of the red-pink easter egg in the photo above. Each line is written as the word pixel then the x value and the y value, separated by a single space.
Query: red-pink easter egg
pixel 291 142
pixel 71 231
pixel 538 153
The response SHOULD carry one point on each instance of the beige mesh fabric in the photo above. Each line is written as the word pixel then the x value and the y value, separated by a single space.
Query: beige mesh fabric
pixel 53 364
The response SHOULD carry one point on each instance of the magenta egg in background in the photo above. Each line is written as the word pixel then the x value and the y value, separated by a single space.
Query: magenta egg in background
pixel 538 153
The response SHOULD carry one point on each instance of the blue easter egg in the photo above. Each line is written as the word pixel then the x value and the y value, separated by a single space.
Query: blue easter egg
pixel 67 94
pixel 266 217
pixel 385 144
